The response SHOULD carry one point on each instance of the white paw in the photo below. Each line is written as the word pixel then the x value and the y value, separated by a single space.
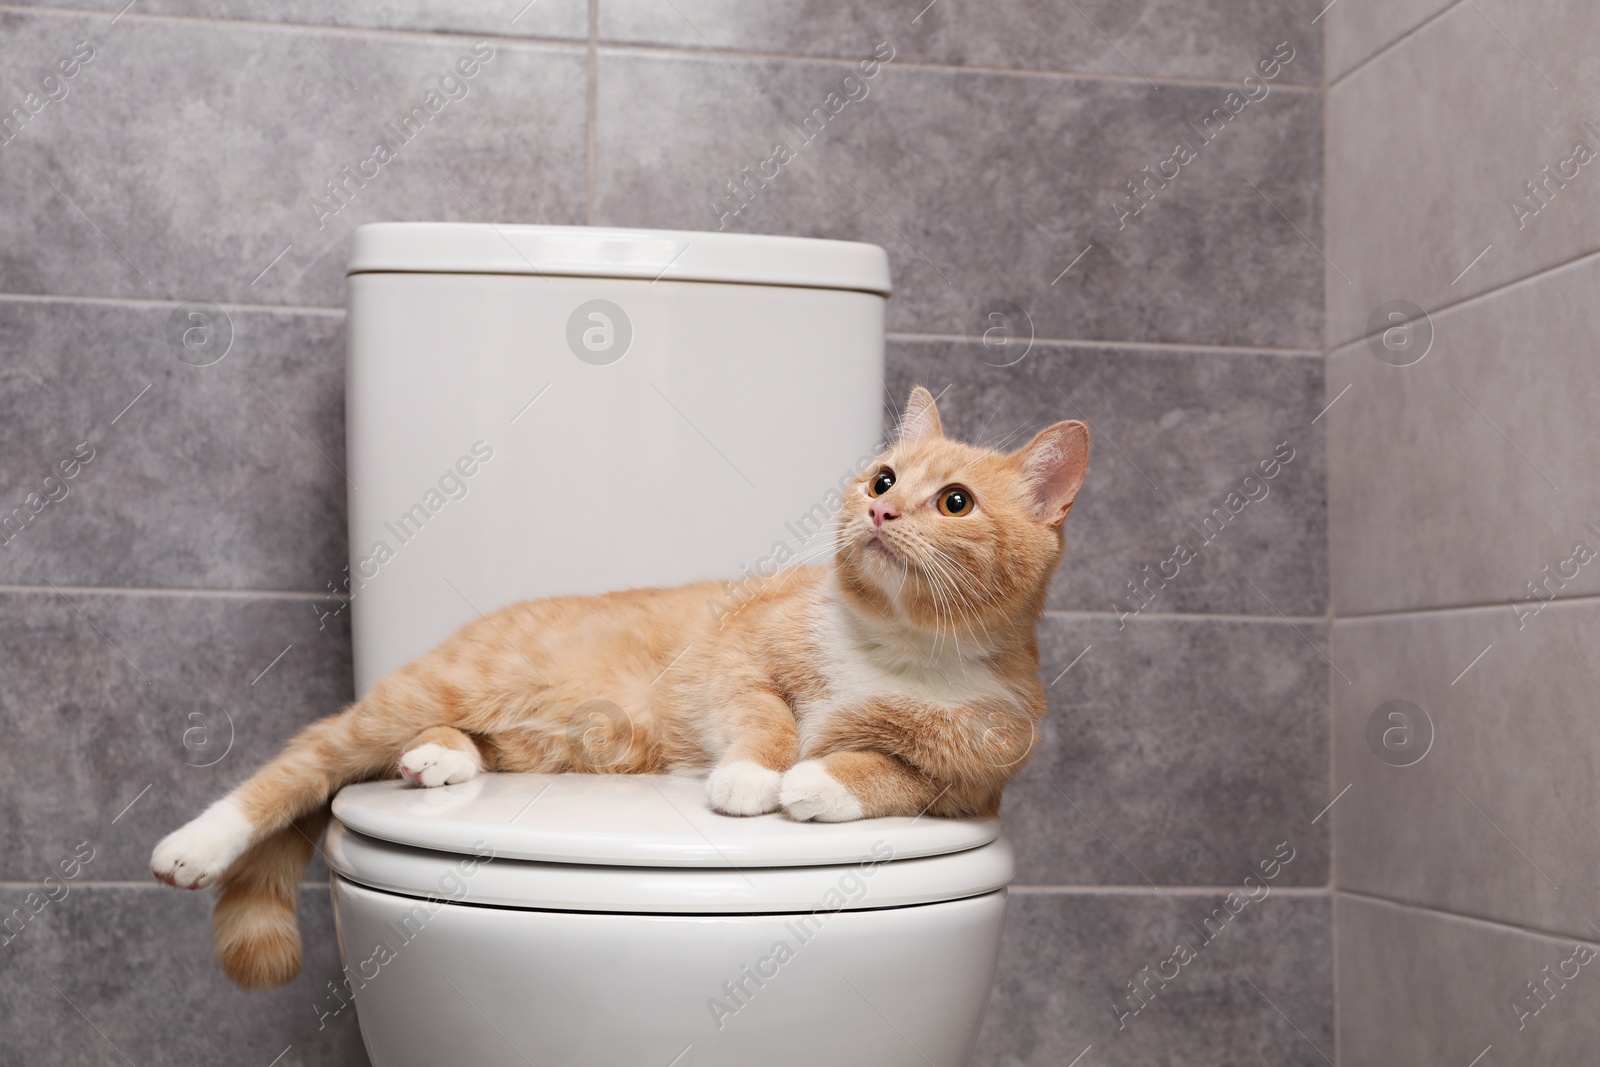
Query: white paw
pixel 430 765
pixel 743 788
pixel 196 854
pixel 810 792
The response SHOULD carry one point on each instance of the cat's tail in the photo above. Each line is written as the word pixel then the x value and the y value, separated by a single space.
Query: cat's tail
pixel 256 841
pixel 257 936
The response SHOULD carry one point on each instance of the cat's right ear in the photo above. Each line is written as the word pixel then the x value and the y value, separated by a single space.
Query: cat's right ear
pixel 921 420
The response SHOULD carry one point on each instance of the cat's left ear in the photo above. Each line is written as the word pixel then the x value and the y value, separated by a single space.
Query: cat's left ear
pixel 1055 463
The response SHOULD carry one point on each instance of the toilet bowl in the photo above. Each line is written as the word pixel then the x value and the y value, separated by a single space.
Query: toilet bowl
pixel 611 919
pixel 536 411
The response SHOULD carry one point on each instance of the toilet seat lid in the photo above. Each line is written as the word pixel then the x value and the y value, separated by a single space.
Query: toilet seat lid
pixel 629 821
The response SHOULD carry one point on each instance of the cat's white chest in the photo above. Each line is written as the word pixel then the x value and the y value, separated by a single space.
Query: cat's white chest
pixel 862 666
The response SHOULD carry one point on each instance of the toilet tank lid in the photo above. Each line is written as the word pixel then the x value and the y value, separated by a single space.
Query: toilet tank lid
pixel 629 821
pixel 588 251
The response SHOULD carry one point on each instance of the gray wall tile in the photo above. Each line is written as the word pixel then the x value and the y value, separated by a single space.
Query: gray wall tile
pixel 545 18
pixel 98 708
pixel 1221 39
pixel 1431 990
pixel 135 964
pixel 1421 177
pixel 1355 29
pixel 1068 959
pixel 183 161
pixel 225 475
pixel 1175 434
pixel 1040 163
pixel 1485 823
pixel 1177 751
pixel 186 155
pixel 1443 490
pixel 1459 479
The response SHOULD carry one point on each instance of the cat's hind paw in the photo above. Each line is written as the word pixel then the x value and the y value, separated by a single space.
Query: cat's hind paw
pixel 433 764
pixel 809 793
pixel 743 787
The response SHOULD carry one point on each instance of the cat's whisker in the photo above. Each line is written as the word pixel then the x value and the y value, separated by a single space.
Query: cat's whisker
pixel 946 604
pixel 951 596
pixel 797 564
pixel 970 582
pixel 966 584
pixel 1015 435
pixel 958 575
pixel 979 440
pixel 934 587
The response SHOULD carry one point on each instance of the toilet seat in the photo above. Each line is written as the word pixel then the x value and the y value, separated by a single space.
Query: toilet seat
pixel 645 844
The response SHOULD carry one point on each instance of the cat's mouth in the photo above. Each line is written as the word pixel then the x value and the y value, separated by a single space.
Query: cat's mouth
pixel 876 545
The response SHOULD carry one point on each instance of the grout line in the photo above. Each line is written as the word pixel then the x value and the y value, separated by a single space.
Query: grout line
pixel 365 32
pixel 1333 952
pixel 1159 346
pixel 1330 615
pixel 687 51
pixel 126 883
pixel 1576 262
pixel 1493 605
pixel 310 594
pixel 1412 32
pixel 1162 890
pixel 1200 347
pixel 124 590
pixel 1461 916
pixel 1330 713
pixel 110 883
pixel 1184 616
pixel 843 61
pixel 139 302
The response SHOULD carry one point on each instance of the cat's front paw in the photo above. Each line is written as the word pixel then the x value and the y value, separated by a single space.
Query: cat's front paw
pixel 809 792
pixel 431 764
pixel 743 787
pixel 197 853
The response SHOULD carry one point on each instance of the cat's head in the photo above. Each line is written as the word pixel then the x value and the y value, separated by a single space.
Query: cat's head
pixel 948 535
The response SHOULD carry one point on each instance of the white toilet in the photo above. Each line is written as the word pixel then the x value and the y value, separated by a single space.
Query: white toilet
pixel 534 411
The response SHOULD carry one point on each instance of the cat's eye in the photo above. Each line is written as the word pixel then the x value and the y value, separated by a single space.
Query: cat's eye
pixel 955 501
pixel 880 482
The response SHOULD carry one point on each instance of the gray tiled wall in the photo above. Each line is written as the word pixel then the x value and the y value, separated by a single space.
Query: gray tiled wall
pixel 182 573
pixel 1431 142
pixel 1462 506
pixel 1257 990
pixel 1430 989
pixel 987 186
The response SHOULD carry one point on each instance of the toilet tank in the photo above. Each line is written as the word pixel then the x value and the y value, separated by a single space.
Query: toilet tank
pixel 534 411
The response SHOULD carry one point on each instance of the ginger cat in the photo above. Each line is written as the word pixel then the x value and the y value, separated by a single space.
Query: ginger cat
pixel 898 679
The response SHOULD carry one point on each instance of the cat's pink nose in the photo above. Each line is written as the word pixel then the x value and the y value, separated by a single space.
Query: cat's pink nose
pixel 882 513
